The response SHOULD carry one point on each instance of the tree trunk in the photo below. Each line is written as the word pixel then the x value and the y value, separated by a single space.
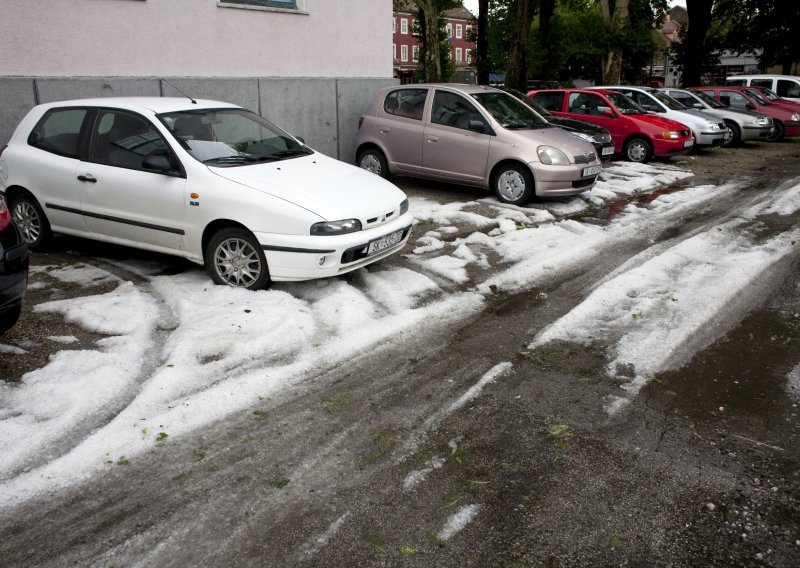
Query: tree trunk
pixel 517 64
pixel 699 12
pixel 482 48
pixel 546 10
pixel 614 21
pixel 431 63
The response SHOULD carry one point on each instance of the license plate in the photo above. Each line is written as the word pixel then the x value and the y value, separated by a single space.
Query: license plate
pixel 383 243
pixel 688 143
pixel 592 171
pixel 608 150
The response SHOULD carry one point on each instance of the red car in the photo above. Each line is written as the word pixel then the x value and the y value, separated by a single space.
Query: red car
pixel 775 98
pixel 637 134
pixel 787 121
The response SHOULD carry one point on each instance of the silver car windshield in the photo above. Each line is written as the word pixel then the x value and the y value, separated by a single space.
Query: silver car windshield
pixel 710 101
pixel 666 100
pixel 510 112
pixel 231 137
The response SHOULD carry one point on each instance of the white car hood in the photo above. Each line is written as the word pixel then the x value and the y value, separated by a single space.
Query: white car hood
pixel 327 187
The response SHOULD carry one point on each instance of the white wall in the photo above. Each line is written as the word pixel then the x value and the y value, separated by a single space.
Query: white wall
pixel 193 38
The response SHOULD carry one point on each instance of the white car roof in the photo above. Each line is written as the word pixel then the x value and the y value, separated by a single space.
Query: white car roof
pixel 156 105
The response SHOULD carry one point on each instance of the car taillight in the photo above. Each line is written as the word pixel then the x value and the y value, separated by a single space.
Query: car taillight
pixel 5 215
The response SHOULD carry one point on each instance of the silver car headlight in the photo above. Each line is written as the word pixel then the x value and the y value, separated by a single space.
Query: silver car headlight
pixel 712 125
pixel 763 121
pixel 552 156
pixel 583 136
pixel 336 227
pixel 796 117
pixel 404 207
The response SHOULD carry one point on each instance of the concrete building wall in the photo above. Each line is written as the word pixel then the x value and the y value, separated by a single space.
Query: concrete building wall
pixel 194 38
pixel 312 71
pixel 323 111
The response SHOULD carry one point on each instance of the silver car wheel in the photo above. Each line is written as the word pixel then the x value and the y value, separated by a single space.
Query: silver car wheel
pixel 237 263
pixel 638 151
pixel 28 221
pixel 371 163
pixel 511 185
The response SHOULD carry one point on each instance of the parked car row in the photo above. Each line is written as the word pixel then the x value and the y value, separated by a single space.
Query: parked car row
pixel 714 115
pixel 225 188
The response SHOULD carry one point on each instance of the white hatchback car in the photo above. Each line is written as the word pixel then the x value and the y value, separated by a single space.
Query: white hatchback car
pixel 205 180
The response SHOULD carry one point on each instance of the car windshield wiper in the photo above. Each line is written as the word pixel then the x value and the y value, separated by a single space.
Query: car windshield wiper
pixel 289 153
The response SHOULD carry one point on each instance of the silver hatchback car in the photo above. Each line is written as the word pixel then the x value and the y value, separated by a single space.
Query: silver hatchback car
pixel 473 135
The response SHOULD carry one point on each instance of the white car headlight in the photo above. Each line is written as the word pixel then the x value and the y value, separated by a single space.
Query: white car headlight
pixel 336 227
pixel 762 121
pixel 796 117
pixel 552 156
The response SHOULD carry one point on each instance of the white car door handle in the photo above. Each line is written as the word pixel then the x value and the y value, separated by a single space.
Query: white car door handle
pixel 87 178
pixel 384 130
pixel 432 138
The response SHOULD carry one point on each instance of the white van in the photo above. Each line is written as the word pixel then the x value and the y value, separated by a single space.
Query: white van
pixel 787 86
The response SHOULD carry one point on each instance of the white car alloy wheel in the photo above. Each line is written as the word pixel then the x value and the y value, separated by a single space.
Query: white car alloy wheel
pixel 235 258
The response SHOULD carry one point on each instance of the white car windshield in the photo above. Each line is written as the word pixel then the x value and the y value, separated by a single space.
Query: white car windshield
pixel 231 137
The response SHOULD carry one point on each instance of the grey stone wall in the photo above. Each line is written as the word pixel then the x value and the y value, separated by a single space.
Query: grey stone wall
pixel 322 111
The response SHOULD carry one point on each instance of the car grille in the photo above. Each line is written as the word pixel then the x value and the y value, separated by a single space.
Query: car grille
pixel 585 158
pixel 380 220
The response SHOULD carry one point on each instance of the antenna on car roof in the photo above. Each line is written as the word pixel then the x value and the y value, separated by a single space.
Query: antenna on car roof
pixel 194 102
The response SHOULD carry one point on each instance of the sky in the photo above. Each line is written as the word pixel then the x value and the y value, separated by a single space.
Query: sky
pixel 180 354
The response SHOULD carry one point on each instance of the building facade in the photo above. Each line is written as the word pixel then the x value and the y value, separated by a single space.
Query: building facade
pixel 405 46
pixel 296 62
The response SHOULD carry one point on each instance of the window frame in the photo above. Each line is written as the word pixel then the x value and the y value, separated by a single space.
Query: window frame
pixel 284 6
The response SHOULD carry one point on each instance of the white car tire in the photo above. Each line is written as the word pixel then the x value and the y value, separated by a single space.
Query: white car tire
pixel 235 258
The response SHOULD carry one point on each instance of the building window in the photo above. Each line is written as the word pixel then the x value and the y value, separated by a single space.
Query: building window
pixel 468 54
pixel 458 55
pixel 394 26
pixel 403 26
pixel 449 29
pixel 394 52
pixel 287 5
pixel 415 53
pixel 403 53
pixel 458 31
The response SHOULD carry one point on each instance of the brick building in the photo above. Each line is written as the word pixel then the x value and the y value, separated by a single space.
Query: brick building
pixel 405 47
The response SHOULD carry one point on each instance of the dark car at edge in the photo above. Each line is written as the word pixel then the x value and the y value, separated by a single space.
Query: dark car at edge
pixel 13 269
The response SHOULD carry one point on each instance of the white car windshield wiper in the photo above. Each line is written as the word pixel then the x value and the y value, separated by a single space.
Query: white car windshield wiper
pixel 290 153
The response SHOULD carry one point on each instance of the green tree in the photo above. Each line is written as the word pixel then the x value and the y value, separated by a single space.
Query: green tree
pixel 768 26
